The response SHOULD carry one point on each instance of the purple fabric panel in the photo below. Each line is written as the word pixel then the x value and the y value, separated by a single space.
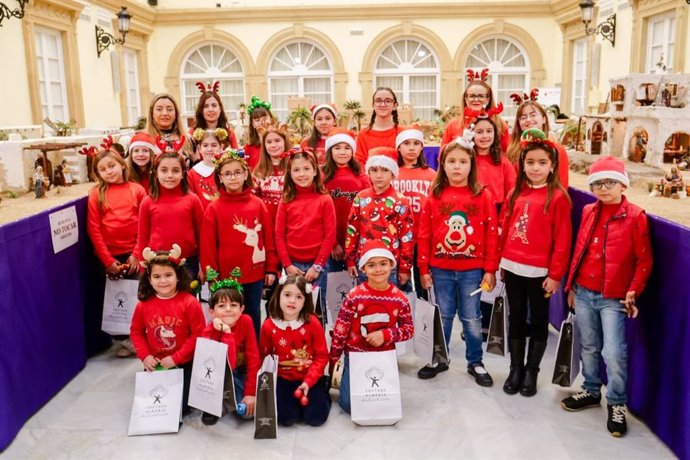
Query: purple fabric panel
pixel 431 156
pixel 41 306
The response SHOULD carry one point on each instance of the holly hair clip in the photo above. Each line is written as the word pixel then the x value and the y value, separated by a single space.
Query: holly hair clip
pixel 532 96
pixel 220 133
pixel 169 146
pixel 536 136
pixel 472 116
pixel 232 282
pixel 228 154
pixel 256 103
pixel 477 76
pixel 211 88
pixel 173 256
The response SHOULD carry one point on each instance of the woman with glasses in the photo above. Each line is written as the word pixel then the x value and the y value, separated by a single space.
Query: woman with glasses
pixel 383 127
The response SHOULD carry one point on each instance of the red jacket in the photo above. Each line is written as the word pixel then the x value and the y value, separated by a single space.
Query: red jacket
pixel 369 138
pixel 627 249
pixel 343 187
pixel 238 232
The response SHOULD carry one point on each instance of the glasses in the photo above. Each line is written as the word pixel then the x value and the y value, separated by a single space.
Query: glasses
pixel 232 174
pixel 531 116
pixel 607 184
pixel 477 97
pixel 384 101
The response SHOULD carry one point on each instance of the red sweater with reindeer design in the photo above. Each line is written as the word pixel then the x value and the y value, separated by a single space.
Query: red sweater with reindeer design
pixel 238 232
pixel 300 347
pixel 459 231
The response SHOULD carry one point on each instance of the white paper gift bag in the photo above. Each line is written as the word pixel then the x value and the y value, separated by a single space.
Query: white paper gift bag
pixel 338 285
pixel 424 330
pixel 403 348
pixel 157 405
pixel 208 375
pixel 266 413
pixel 375 388
pixel 119 301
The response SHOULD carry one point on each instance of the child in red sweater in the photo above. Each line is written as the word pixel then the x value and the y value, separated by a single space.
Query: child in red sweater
pixel 260 117
pixel 343 178
pixel 383 126
pixel 269 174
pixel 305 225
pixel 535 249
pixel 141 153
pixel 112 219
pixel 170 214
pixel 200 177
pixel 295 335
pixel 381 213
pixel 611 265
pixel 231 326
pixel 374 316
pixel 325 119
pixel 238 232
pixel 457 239
pixel 168 319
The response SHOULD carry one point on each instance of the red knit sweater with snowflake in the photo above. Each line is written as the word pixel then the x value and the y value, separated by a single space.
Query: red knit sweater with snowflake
pixel 301 348
pixel 238 232
pixel 343 188
pixel 459 231
pixel 174 218
pixel 167 327
pixel 203 186
pixel 305 228
pixel 531 237
pixel 319 150
pixel 245 351
pixel 366 310
pixel 415 184
pixel 499 179
pixel 113 227
pixel 386 217
pixel 270 190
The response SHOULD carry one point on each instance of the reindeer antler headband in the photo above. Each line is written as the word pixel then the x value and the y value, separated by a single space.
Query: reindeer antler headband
pixel 297 150
pixel 169 146
pixel 213 88
pixel 532 96
pixel 106 144
pixel 472 116
pixel 472 75
pixel 173 256
pixel 88 152
pixel 281 128
pixel 232 282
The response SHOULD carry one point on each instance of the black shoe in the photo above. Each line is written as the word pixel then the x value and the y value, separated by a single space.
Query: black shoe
pixel 534 356
pixel 580 401
pixel 208 419
pixel 480 374
pixel 517 366
pixel 429 372
pixel 616 423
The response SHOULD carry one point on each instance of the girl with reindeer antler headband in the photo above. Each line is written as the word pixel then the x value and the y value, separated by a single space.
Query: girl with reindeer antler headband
pixel 238 232
pixel 170 214
pixel 531 114
pixel 269 173
pixel 478 96
pixel 210 114
pixel 168 318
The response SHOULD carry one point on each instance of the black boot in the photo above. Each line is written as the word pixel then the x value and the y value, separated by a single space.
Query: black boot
pixel 534 355
pixel 517 366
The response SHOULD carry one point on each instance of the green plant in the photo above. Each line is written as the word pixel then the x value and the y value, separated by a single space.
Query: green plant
pixel 354 113
pixel 300 120
pixel 448 113
pixel 12 194
pixel 3 135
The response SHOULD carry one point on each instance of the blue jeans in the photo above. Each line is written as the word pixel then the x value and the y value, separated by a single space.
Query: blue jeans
pixel 452 289
pixel 320 281
pixel 252 303
pixel 344 398
pixel 601 324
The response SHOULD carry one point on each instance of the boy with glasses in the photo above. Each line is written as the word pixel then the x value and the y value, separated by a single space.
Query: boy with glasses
pixel 610 267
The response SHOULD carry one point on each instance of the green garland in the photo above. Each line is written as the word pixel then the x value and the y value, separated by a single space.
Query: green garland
pixel 227 283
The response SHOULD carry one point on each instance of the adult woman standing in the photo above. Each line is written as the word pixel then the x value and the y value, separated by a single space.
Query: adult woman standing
pixel 210 113
pixel 164 121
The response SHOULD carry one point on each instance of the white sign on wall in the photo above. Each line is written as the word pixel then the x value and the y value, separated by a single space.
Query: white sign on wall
pixel 64 228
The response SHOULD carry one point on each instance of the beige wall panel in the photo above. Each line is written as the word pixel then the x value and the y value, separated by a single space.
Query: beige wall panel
pixel 15 109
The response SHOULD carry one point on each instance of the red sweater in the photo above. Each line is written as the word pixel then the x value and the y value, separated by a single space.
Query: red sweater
pixel 459 232
pixel 301 348
pixel 238 232
pixel 144 182
pixel 320 149
pixel 343 187
pixel 499 179
pixel 227 337
pixel 270 190
pixel 305 228
pixel 384 217
pixel 369 138
pixel 563 166
pixel 531 237
pixel 174 218
pixel 252 154
pixel 455 128
pixel 202 183
pixel 415 184
pixel 246 348
pixel 167 327
pixel 366 310
pixel 113 228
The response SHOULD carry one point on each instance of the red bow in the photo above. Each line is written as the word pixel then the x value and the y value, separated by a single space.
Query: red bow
pixel 472 75
pixel 532 96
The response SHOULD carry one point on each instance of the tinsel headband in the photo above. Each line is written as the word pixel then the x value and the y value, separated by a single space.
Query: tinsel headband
pixel 256 103
pixel 228 283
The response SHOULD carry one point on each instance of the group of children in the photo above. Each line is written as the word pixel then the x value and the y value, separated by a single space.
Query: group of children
pixel 378 211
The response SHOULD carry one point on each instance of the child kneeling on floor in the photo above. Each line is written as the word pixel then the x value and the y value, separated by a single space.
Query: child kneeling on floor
pixel 610 266
pixel 374 316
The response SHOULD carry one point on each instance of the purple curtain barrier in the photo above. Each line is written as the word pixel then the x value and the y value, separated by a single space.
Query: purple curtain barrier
pixel 41 311
pixel 431 156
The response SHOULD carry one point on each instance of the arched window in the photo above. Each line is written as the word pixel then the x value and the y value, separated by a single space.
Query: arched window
pixel 299 69
pixel 410 68
pixel 508 66
pixel 209 63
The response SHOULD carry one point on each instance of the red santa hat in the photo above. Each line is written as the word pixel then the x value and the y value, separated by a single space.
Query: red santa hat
pixel 338 135
pixel 331 107
pixel 411 132
pixel 375 248
pixel 143 140
pixel 608 167
pixel 385 157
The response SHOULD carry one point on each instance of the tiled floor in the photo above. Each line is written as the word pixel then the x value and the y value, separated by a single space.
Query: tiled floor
pixel 447 417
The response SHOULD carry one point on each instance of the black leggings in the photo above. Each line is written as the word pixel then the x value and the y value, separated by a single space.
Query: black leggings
pixel 523 292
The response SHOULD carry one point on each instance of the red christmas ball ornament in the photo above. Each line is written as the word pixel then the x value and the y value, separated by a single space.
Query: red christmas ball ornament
pixel 304 401
pixel 298 393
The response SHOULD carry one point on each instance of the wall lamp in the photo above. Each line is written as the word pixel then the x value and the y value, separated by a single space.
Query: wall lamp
pixel 607 29
pixel 7 13
pixel 105 39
